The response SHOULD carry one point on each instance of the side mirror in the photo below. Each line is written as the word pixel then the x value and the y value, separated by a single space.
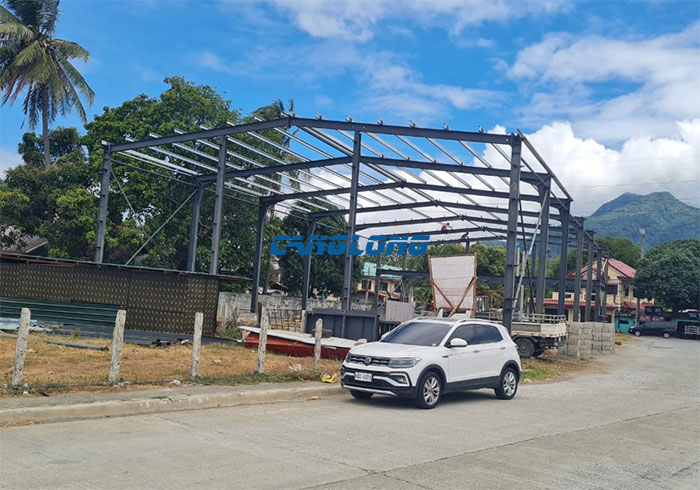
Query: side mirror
pixel 456 342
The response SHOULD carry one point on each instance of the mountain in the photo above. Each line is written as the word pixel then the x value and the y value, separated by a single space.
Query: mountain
pixel 664 218
pixel 616 203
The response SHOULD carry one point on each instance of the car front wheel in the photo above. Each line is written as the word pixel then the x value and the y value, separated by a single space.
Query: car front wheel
pixel 637 333
pixel 429 390
pixel 667 335
pixel 508 385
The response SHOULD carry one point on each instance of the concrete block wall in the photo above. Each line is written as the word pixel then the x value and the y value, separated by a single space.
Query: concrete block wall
pixel 585 339
pixel 229 302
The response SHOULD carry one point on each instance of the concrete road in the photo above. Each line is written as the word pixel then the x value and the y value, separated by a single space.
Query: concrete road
pixel 634 426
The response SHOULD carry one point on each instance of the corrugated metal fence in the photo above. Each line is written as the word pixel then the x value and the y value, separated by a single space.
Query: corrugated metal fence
pixel 155 300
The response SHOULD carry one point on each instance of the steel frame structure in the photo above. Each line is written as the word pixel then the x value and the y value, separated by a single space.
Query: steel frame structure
pixel 333 168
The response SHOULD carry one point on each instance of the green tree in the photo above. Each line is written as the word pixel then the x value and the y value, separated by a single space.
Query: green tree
pixel 33 199
pixel 622 249
pixel 670 273
pixel 32 60
pixel 183 106
pixel 326 270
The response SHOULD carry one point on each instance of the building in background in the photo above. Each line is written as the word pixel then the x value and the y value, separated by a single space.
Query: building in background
pixel 389 285
pixel 620 298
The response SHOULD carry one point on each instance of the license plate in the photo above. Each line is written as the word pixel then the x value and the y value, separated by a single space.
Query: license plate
pixel 367 377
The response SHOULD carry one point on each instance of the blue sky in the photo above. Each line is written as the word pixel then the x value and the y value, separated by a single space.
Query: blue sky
pixel 607 90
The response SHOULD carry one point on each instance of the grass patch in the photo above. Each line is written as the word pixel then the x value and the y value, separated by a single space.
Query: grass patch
pixel 549 367
pixel 536 370
pixel 51 368
pixel 254 378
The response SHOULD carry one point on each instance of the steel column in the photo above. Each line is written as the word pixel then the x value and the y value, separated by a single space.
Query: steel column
pixel 577 276
pixel 512 234
pixel 347 276
pixel 600 309
pixel 257 258
pixel 310 230
pixel 542 260
pixel 218 207
pixel 589 279
pixel 563 261
pixel 104 199
pixel 377 280
pixel 194 228
pixel 605 286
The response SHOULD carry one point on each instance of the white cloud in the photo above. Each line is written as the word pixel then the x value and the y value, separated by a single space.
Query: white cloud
pixel 594 173
pixel 659 78
pixel 358 19
pixel 8 159
pixel 386 84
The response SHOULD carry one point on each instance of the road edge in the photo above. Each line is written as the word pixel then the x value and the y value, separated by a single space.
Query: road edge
pixel 172 403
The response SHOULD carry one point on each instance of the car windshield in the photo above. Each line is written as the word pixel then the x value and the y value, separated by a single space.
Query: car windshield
pixel 419 333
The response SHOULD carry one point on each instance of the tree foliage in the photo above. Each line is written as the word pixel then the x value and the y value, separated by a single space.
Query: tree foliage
pixel 32 60
pixel 35 200
pixel 622 249
pixel 326 270
pixel 60 203
pixel 670 272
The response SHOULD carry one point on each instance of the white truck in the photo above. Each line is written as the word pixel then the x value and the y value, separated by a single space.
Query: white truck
pixel 533 333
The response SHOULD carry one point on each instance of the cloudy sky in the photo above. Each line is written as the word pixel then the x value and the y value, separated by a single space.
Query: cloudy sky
pixel 609 92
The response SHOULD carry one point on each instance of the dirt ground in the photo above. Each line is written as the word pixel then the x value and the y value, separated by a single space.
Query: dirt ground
pixel 51 368
pixel 50 364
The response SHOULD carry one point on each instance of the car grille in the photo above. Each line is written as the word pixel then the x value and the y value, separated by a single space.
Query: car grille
pixel 377 361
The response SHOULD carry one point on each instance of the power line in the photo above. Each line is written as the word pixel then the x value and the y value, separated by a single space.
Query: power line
pixel 633 184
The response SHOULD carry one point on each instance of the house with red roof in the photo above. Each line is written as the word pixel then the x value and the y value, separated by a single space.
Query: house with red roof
pixel 620 297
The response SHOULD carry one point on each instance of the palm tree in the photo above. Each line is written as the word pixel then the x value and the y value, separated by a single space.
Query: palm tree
pixel 32 60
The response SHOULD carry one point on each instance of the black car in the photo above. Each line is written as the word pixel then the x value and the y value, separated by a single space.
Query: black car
pixel 666 329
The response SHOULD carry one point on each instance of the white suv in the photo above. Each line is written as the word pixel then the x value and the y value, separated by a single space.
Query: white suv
pixel 427 357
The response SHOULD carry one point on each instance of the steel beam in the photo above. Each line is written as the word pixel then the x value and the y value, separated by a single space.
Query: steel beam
pixel 218 208
pixel 257 258
pixel 204 134
pixel 288 167
pixel 427 204
pixel 420 221
pixel 589 279
pixel 355 180
pixel 544 238
pixel 104 199
pixel 563 261
pixel 446 167
pixel 396 185
pixel 306 282
pixel 512 236
pixel 194 228
pixel 577 276
pixel 445 134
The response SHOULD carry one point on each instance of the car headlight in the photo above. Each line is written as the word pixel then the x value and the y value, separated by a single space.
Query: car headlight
pixel 347 357
pixel 404 362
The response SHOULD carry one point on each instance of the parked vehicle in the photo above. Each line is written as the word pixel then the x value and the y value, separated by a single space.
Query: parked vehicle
pixel 532 333
pixel 665 329
pixel 427 357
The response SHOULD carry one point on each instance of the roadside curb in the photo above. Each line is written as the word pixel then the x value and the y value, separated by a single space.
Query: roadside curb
pixel 171 403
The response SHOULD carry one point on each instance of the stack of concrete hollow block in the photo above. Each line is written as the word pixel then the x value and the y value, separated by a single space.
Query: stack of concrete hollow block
pixel 584 339
pixel 603 338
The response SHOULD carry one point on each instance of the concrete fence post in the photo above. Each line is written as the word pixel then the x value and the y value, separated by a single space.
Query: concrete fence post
pixel 117 343
pixel 304 314
pixel 21 346
pixel 264 321
pixel 196 344
pixel 317 344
